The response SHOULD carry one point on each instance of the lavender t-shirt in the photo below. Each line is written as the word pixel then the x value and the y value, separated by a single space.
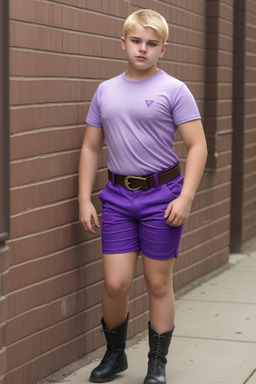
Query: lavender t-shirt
pixel 140 120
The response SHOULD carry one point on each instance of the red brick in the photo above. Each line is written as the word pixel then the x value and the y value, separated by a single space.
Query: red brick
pixel 14 376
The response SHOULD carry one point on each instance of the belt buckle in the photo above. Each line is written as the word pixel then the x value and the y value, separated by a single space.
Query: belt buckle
pixel 127 182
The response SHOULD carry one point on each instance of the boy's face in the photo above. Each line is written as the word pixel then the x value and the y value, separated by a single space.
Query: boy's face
pixel 143 47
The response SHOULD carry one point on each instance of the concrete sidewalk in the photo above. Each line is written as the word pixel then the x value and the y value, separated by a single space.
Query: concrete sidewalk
pixel 215 336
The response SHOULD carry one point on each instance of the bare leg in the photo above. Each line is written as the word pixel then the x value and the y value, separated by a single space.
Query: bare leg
pixel 119 271
pixel 118 276
pixel 158 278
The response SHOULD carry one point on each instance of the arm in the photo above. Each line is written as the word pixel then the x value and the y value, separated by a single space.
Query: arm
pixel 88 165
pixel 193 137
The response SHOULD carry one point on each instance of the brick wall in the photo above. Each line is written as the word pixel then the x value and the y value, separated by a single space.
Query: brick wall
pixel 243 225
pixel 205 243
pixel 4 181
pixel 249 182
pixel 4 261
pixel 60 50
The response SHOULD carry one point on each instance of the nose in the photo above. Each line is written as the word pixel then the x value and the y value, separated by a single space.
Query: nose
pixel 143 47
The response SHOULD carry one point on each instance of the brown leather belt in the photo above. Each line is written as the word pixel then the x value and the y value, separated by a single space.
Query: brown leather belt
pixel 154 180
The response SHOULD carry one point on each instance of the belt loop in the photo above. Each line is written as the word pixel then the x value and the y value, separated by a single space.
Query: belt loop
pixel 113 178
pixel 156 180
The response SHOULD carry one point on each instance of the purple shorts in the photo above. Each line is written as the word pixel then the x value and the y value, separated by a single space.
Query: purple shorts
pixel 134 220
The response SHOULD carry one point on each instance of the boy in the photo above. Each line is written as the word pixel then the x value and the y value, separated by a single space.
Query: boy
pixel 146 200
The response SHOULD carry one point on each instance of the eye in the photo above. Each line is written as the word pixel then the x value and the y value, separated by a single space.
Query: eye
pixel 152 44
pixel 135 41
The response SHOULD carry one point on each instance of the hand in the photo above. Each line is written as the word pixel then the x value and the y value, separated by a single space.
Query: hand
pixel 88 217
pixel 176 213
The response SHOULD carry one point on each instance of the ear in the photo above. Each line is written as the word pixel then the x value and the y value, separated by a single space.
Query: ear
pixel 123 45
pixel 163 50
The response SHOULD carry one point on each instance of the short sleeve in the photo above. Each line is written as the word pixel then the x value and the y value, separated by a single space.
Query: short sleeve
pixel 93 116
pixel 185 108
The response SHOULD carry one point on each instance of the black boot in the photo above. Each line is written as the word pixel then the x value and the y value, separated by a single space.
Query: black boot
pixel 158 350
pixel 114 360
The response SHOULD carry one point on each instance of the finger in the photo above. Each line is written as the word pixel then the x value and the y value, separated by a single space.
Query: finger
pixel 170 218
pixel 90 228
pixel 172 222
pixel 168 211
pixel 177 222
pixel 96 220
pixel 87 224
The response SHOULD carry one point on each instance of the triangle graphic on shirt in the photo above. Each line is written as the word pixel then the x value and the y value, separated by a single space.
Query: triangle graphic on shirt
pixel 149 102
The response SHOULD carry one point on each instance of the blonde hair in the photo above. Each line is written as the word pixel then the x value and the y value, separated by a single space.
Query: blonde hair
pixel 147 18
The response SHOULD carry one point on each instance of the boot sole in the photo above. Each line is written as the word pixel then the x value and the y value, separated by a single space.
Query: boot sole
pixel 119 370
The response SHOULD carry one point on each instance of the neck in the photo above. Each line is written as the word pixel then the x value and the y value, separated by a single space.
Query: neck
pixel 137 75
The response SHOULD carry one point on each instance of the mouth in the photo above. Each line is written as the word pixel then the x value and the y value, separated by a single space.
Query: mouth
pixel 142 58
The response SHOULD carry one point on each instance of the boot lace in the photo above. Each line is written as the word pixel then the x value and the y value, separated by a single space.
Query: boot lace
pixel 157 362
pixel 109 352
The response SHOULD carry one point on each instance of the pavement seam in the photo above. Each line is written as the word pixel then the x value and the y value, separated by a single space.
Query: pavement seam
pixel 215 301
pixel 250 376
pixel 214 339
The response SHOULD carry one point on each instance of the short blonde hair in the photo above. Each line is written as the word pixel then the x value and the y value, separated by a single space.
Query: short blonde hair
pixel 147 18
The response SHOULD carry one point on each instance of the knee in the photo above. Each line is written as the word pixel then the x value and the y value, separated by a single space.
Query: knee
pixel 158 286
pixel 116 288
